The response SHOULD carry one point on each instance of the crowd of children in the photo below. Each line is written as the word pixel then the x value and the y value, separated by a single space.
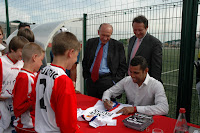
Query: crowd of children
pixel 38 100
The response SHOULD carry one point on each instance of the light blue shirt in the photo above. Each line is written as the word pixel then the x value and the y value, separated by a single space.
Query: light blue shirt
pixel 103 66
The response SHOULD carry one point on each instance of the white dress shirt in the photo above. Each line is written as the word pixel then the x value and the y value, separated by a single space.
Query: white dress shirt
pixel 149 98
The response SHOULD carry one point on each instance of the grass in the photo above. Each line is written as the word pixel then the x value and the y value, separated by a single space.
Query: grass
pixel 170 80
pixel 170 73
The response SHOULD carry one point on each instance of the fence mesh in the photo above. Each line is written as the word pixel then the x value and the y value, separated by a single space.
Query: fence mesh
pixel 165 24
pixel 164 17
pixel 43 11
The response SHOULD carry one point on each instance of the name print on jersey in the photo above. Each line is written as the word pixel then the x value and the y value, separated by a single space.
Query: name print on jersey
pixel 14 68
pixel 49 72
pixel 96 112
pixel 9 82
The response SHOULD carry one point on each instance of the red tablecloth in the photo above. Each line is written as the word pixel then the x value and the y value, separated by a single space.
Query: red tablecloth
pixel 165 123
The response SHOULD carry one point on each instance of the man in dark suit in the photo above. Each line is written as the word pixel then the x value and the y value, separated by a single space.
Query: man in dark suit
pixel 145 45
pixel 112 66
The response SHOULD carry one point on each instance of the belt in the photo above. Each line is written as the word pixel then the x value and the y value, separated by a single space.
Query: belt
pixel 104 75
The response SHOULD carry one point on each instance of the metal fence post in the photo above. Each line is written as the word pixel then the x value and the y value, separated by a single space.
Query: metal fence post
pixel 187 51
pixel 7 18
pixel 84 41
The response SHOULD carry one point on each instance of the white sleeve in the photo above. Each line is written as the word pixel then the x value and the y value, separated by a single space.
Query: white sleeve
pixel 2 47
pixel 161 106
pixel 5 116
pixel 115 90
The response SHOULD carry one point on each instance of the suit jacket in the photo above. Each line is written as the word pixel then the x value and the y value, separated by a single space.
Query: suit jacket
pixel 151 49
pixel 116 59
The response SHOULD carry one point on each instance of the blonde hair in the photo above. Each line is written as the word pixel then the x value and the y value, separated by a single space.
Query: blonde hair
pixel 30 49
pixel 64 41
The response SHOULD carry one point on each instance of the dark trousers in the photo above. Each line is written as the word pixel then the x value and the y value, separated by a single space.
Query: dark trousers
pixel 96 89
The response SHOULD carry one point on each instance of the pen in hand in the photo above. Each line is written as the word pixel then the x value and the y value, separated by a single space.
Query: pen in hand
pixel 108 104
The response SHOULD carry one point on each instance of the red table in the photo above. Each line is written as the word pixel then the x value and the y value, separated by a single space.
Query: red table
pixel 165 123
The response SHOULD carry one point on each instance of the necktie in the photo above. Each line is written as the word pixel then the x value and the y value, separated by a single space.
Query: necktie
pixel 134 52
pixel 136 48
pixel 95 70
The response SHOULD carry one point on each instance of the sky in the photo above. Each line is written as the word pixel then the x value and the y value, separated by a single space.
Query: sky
pixel 43 11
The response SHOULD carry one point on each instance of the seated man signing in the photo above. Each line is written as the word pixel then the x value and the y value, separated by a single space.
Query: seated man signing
pixel 146 94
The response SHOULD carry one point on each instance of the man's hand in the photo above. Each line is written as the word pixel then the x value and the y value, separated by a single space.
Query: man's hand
pixel 108 104
pixel 2 98
pixel 77 92
pixel 30 108
pixel 74 83
pixel 127 110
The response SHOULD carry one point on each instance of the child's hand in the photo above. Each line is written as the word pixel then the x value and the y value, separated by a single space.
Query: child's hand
pixel 30 108
pixel 2 98
pixel 74 83
pixel 77 92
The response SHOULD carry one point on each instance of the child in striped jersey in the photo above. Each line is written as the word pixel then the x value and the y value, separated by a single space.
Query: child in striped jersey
pixel 24 105
pixel 56 105
pixel 10 65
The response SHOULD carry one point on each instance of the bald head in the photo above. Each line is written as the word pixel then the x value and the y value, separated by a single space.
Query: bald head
pixel 105 32
pixel 105 25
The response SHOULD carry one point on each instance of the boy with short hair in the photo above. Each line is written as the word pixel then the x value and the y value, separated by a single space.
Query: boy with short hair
pixel 24 106
pixel 56 105
pixel 27 33
pixel 10 66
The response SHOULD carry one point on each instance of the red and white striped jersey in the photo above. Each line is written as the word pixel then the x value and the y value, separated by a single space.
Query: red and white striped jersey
pixel 25 117
pixel 8 73
pixel 56 105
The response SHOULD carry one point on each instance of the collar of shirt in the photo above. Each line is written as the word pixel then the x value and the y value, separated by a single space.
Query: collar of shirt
pixel 141 38
pixel 99 44
pixel 146 81
pixel 135 44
